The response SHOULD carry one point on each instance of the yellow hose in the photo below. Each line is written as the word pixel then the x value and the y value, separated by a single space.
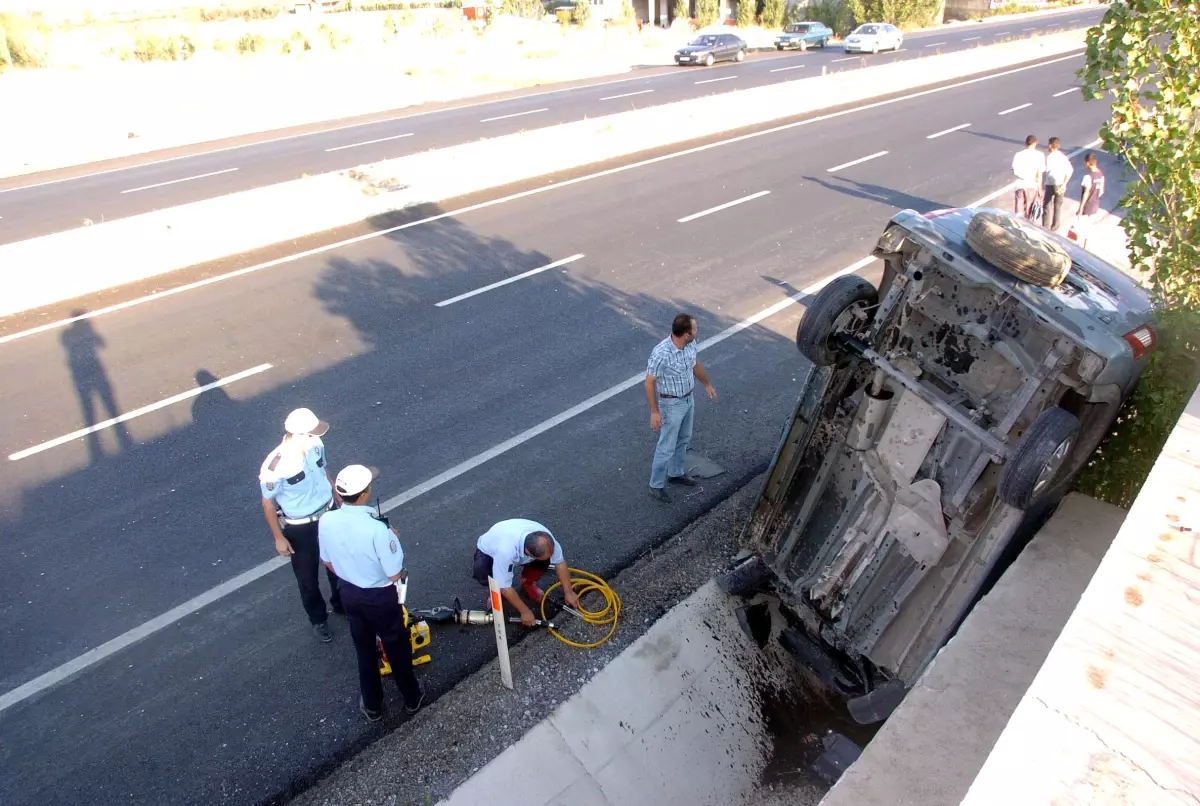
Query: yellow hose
pixel 584 583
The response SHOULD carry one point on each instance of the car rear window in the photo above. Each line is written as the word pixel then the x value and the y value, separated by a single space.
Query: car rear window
pixel 797 29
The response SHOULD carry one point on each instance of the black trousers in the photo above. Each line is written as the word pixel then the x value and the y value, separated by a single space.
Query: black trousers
pixel 1051 208
pixel 376 612
pixel 306 560
pixel 482 567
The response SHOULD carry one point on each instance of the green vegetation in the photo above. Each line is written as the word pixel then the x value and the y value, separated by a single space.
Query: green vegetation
pixel 681 11
pixel 773 12
pixel 834 13
pixel 22 42
pixel 745 13
pixel 583 12
pixel 707 12
pixel 1142 59
pixel 905 13
pixel 525 9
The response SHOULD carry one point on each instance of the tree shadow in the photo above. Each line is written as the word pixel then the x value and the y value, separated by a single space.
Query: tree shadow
pixel 82 345
pixel 877 193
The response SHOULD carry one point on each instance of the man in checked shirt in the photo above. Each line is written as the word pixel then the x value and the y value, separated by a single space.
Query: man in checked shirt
pixel 671 375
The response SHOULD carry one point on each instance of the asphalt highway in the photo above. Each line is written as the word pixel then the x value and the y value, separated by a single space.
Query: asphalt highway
pixel 236 703
pixel 38 204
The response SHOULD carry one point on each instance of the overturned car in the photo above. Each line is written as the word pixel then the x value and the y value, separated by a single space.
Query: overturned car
pixel 945 415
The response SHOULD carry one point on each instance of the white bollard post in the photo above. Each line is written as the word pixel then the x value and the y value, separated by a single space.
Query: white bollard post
pixel 501 637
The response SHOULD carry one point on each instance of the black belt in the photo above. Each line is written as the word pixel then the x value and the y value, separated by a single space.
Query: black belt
pixel 676 397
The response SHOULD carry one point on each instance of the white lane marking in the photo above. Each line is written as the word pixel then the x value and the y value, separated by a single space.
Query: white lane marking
pixel 724 206
pixel 947 131
pixel 1016 108
pixel 711 80
pixel 781 69
pixel 1029 29
pixel 1066 92
pixel 83 432
pixel 142 631
pixel 177 181
pixel 328 131
pixel 120 306
pixel 1002 33
pixel 857 161
pixel 93 656
pixel 625 95
pixel 971 39
pixel 369 142
pixel 512 279
pixel 935 45
pixel 516 115
pixel 848 59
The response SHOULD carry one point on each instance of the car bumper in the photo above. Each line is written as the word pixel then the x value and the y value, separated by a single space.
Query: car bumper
pixel 689 59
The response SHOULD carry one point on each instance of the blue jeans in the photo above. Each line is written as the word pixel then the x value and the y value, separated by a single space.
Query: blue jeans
pixel 673 439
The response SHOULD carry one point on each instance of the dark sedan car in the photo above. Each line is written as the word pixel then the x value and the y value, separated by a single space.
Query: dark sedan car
pixel 710 48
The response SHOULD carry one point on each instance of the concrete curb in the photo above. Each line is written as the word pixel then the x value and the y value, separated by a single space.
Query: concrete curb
pixel 65 265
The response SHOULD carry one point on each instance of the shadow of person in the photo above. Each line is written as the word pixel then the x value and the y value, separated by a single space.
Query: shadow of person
pixel 211 403
pixel 82 345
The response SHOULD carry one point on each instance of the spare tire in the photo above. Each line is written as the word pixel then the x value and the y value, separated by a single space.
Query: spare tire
pixel 1018 247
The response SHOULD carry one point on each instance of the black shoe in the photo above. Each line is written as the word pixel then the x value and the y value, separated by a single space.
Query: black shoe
pixel 685 480
pixel 372 716
pixel 322 632
pixel 412 709
pixel 659 494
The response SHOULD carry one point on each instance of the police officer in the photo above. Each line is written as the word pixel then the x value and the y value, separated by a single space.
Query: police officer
pixel 296 490
pixel 529 546
pixel 366 555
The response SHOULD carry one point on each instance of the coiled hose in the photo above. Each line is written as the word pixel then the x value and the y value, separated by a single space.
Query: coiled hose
pixel 585 583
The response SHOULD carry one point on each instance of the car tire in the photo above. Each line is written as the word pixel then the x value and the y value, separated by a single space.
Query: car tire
pixel 803 45
pixel 741 56
pixel 779 47
pixel 1040 454
pixel 1019 248
pixel 826 315
pixel 708 61
pixel 824 42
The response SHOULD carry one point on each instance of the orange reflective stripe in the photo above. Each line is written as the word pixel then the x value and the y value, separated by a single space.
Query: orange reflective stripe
pixel 496 601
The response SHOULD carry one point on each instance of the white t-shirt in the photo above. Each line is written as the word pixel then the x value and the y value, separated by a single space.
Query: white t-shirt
pixel 1027 164
pixel 1058 168
pixel 505 544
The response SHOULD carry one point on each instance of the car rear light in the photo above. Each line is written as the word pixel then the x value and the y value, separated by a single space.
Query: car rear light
pixel 1141 341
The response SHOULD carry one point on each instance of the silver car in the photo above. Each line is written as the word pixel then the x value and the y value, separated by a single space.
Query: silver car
pixel 874 37
pixel 943 418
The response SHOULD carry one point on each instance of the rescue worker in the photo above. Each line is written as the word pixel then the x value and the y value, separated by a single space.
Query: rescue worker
pixel 366 556
pixel 296 490
pixel 524 544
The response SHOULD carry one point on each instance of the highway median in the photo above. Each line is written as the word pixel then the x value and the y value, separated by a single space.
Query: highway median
pixel 70 264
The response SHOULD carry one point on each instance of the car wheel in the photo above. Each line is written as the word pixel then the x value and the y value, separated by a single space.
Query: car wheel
pixel 741 56
pixel 1019 248
pixel 875 48
pixel 779 47
pixel 708 61
pixel 1040 454
pixel 803 45
pixel 824 42
pixel 846 305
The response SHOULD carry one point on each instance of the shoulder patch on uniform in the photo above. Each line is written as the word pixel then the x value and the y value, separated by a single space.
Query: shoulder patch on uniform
pixel 318 450
pixel 394 546
pixel 270 486
pixel 274 462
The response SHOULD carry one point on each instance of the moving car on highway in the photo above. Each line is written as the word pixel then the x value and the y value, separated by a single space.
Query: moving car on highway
pixel 803 35
pixel 944 417
pixel 707 49
pixel 874 37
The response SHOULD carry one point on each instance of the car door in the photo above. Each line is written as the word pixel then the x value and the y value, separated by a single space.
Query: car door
pixel 728 46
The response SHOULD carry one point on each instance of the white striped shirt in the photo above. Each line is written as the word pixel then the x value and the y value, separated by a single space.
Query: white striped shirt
pixel 672 368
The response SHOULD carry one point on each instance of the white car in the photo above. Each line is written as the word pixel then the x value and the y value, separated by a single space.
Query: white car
pixel 874 37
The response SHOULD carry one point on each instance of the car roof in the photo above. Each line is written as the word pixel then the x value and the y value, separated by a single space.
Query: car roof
pixel 1096 303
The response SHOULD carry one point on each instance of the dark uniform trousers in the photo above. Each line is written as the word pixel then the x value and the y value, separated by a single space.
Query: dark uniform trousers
pixel 306 560
pixel 376 612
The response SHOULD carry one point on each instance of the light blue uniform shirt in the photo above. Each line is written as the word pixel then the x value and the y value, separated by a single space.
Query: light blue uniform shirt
pixel 505 544
pixel 361 548
pixel 294 476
